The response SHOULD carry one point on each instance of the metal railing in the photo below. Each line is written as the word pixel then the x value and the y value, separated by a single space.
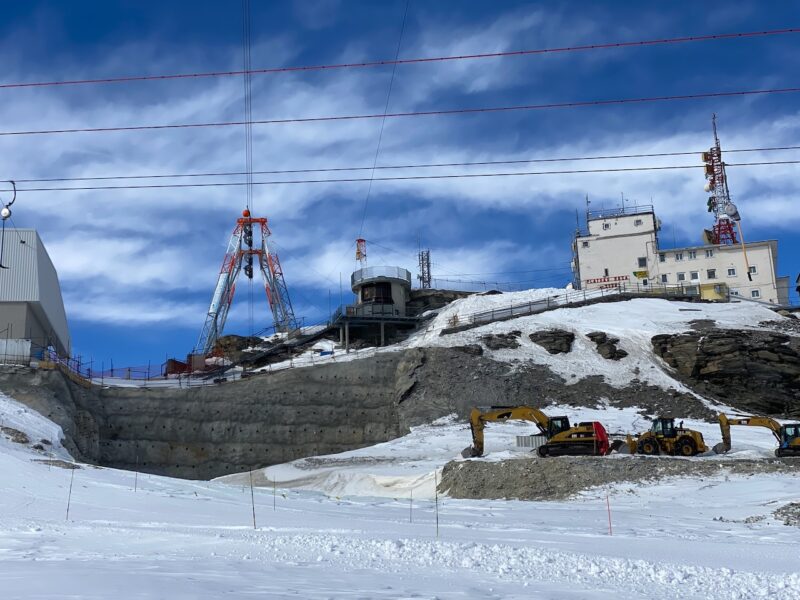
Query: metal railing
pixel 373 272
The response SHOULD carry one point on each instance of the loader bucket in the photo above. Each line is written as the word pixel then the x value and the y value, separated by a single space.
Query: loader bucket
pixel 620 447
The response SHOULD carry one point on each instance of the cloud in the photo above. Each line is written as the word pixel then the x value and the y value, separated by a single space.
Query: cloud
pixel 148 245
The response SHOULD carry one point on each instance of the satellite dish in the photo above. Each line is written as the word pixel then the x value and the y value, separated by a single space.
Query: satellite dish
pixel 730 209
pixel 708 187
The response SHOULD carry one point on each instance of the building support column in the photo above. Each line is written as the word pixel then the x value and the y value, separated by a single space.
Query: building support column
pixel 347 337
pixel 383 343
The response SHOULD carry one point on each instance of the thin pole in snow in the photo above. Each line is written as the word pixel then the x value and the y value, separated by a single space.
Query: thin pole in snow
pixel 69 496
pixel 274 507
pixel 436 497
pixel 608 505
pixel 136 471
pixel 252 500
pixel 411 507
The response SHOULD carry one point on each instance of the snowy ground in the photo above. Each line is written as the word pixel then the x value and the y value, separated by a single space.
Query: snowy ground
pixel 180 539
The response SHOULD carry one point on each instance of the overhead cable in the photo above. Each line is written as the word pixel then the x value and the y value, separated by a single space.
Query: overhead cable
pixel 406 61
pixel 399 178
pixel 420 113
pixel 400 166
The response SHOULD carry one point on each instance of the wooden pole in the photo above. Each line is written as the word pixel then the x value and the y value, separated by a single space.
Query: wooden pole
pixel 252 500
pixel 69 496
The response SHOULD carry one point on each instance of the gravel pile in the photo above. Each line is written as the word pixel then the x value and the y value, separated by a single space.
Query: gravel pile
pixel 561 477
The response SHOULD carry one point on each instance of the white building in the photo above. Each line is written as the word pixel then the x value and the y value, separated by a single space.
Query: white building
pixel 621 246
pixel 32 316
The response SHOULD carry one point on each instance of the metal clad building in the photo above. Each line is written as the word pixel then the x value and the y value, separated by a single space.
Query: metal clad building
pixel 31 306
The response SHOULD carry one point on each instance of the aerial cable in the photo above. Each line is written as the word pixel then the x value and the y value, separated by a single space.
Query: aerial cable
pixel 383 120
pixel 400 178
pixel 5 215
pixel 407 61
pixel 421 113
pixel 395 167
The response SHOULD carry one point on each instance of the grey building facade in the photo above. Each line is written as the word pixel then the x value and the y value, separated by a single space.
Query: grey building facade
pixel 32 315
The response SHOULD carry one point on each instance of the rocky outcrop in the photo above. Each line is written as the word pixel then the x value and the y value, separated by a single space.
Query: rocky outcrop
pixel 752 370
pixel 607 346
pixel 555 341
pixel 501 341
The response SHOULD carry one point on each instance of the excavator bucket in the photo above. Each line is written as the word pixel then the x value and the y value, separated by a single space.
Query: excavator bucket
pixel 469 452
pixel 720 448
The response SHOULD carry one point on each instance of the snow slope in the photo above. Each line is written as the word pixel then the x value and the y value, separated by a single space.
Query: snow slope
pixel 180 539
pixel 186 539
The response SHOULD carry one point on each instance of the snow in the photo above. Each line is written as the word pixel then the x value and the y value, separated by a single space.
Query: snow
pixel 643 318
pixel 190 539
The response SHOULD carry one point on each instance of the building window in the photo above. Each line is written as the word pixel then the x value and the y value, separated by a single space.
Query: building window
pixel 734 292
pixel 662 257
pixel 606 225
pixel 755 294
pixel 637 222
pixel 694 275
pixel 642 262
pixel 644 281
pixel 709 253
pixel 692 254
pixel 753 269
pixel 731 271
pixel 681 276
pixel 605 272
pixel 585 244
pixel 692 290
pixel 711 273
pixel 679 256
pixel 664 279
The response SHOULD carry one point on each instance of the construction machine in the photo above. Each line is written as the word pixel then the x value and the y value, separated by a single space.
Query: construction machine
pixel 665 438
pixel 788 436
pixel 582 439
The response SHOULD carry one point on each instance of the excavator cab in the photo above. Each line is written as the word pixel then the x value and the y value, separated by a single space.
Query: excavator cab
pixel 556 425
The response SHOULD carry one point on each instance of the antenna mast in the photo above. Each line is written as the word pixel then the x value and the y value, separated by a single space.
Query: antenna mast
pixel 719 203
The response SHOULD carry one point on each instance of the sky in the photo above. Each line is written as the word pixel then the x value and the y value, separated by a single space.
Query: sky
pixel 138 266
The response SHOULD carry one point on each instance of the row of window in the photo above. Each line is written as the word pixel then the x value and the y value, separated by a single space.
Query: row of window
pixel 710 274
pixel 692 254
pixel 692 289
pixel 636 223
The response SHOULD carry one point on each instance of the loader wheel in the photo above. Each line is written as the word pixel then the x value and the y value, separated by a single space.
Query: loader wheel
pixel 686 447
pixel 779 452
pixel 543 451
pixel 648 446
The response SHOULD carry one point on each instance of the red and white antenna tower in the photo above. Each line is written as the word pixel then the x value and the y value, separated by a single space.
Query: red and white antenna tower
pixel 726 216
pixel 361 252
pixel 241 251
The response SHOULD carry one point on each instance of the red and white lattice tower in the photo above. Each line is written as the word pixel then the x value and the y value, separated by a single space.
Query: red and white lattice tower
pixel 361 252
pixel 241 253
pixel 725 213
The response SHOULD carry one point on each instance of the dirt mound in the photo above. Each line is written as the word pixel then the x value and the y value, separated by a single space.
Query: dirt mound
pixel 560 478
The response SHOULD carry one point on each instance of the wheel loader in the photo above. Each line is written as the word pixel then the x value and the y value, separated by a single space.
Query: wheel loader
pixel 788 435
pixel 665 438
pixel 584 439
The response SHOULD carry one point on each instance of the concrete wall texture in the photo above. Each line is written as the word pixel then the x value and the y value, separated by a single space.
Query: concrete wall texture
pixel 201 433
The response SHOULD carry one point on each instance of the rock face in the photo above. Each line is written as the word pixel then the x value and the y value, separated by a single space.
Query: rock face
pixel 555 341
pixel 499 341
pixel 753 370
pixel 607 346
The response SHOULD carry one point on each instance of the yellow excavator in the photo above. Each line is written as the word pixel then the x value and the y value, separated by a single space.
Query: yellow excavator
pixel 788 436
pixel 583 439
pixel 664 437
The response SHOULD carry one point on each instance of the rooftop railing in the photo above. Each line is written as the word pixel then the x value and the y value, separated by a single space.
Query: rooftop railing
pixel 373 272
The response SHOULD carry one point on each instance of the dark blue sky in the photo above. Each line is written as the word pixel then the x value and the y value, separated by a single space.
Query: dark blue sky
pixel 138 267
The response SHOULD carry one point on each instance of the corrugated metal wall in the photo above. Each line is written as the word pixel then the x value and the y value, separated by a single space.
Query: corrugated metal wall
pixel 31 277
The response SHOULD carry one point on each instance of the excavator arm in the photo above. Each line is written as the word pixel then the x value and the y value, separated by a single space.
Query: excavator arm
pixel 478 420
pixel 725 423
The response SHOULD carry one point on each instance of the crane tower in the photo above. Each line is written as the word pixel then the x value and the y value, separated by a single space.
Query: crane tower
pixel 240 256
